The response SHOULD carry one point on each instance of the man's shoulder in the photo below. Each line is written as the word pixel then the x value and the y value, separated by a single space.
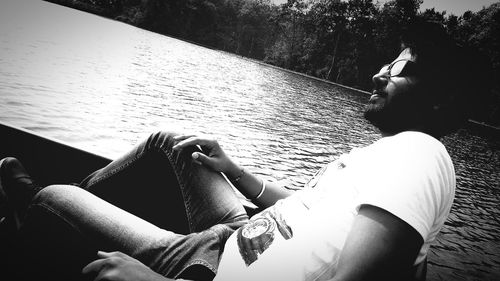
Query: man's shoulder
pixel 412 141
pixel 406 147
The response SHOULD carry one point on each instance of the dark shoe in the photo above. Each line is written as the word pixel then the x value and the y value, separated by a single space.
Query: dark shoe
pixel 17 189
pixel 9 219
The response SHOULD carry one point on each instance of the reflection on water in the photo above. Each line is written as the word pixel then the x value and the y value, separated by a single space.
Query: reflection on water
pixel 103 86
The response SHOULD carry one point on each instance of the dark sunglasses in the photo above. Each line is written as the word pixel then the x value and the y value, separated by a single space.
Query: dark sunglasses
pixel 401 68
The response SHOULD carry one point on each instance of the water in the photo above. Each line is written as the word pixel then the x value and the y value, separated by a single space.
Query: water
pixel 103 86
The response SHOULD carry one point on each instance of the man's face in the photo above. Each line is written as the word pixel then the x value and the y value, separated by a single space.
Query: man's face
pixel 393 106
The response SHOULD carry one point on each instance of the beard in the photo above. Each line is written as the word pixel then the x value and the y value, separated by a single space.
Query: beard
pixel 400 114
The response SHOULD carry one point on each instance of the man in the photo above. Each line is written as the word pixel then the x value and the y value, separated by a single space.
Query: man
pixel 371 214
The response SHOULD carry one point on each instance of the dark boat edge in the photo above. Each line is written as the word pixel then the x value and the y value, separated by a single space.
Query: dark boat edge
pixel 52 161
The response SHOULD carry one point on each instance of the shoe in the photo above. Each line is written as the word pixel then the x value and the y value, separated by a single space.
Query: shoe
pixel 17 189
pixel 9 219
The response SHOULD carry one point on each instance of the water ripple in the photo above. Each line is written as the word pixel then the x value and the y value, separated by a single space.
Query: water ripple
pixel 109 87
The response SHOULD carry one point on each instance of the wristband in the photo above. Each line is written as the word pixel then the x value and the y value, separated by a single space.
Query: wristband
pixel 261 191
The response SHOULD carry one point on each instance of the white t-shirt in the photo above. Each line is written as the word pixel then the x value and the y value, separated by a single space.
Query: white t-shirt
pixel 301 237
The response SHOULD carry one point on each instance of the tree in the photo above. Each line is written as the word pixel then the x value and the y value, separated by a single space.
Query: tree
pixel 480 31
pixel 252 26
pixel 288 33
pixel 338 40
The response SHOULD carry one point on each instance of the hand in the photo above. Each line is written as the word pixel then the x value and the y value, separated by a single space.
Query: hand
pixel 117 266
pixel 215 158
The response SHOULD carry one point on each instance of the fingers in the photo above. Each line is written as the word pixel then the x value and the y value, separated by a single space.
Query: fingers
pixel 94 267
pixel 182 137
pixel 200 158
pixel 193 140
pixel 103 255
pixel 211 155
pixel 103 260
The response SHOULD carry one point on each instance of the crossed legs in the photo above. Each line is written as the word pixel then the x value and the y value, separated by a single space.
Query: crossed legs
pixel 153 204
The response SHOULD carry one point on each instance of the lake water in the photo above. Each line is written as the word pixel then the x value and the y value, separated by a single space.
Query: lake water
pixel 103 86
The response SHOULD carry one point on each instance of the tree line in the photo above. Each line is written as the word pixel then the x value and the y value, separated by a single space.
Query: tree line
pixel 340 41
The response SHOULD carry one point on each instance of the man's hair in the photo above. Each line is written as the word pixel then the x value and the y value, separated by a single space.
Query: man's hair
pixel 455 78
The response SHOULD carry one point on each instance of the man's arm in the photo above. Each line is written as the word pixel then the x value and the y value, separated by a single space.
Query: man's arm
pixel 380 246
pixel 215 158
pixel 251 185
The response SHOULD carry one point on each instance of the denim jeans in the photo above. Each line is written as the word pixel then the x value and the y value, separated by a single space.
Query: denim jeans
pixel 153 204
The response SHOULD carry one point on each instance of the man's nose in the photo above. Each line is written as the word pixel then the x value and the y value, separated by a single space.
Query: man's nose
pixel 380 80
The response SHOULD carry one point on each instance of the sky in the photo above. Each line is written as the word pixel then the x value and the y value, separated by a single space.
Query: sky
pixel 456 7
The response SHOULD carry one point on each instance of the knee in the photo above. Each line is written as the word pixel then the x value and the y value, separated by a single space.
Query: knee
pixel 52 194
pixel 163 134
pixel 161 140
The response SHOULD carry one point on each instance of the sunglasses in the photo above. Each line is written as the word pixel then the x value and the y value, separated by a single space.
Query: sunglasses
pixel 400 68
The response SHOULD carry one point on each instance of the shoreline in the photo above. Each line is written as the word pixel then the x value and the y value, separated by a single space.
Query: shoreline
pixel 483 126
pixel 303 74
pixel 87 8
pixel 470 121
